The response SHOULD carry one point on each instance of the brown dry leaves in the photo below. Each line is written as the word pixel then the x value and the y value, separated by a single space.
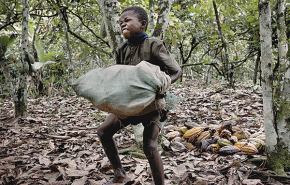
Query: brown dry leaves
pixel 58 144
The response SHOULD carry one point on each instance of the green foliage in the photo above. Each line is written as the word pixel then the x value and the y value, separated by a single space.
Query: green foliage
pixel 4 40
pixel 39 50
pixel 190 22
pixel 43 58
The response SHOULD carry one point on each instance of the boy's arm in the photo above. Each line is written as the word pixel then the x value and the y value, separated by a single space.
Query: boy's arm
pixel 174 77
pixel 166 59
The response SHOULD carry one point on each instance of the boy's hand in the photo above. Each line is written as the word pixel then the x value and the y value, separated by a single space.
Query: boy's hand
pixel 174 77
pixel 160 96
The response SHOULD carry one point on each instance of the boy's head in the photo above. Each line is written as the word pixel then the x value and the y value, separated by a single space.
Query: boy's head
pixel 133 20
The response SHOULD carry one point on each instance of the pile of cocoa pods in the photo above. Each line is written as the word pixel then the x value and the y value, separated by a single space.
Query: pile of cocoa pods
pixel 224 140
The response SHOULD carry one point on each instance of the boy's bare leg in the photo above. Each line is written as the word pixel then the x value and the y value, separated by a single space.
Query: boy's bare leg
pixel 105 132
pixel 150 146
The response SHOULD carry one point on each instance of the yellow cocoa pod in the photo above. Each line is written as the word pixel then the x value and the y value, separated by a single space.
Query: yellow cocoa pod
pixel 172 134
pixel 240 134
pixel 240 144
pixel 224 142
pixel 215 147
pixel 204 135
pixel 192 131
pixel 250 149
pixel 183 129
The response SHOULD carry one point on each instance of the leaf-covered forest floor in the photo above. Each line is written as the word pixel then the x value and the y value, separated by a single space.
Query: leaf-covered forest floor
pixel 57 143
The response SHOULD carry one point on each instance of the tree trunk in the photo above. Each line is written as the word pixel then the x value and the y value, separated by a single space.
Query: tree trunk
pixel 151 17
pixel 4 65
pixel 283 112
pixel 277 130
pixel 227 68
pixel 68 72
pixel 110 13
pixel 257 67
pixel 208 75
pixel 163 19
pixel 20 98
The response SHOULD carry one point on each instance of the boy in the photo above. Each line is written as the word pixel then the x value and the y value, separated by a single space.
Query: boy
pixel 139 47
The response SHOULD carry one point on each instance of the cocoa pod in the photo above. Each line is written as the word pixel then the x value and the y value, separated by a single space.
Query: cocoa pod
pixel 193 138
pixel 205 143
pixel 204 135
pixel 225 134
pixel 195 130
pixel 173 134
pixel 214 147
pixel 183 129
pixel 224 142
pixel 248 148
pixel 227 150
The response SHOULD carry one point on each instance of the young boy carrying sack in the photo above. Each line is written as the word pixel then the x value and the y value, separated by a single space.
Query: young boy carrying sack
pixel 139 47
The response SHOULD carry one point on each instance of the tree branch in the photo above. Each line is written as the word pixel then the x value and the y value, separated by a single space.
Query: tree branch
pixel 63 12
pixel 7 24
pixel 86 42
pixel 81 19
pixel 194 44
pixel 196 64
pixel 54 15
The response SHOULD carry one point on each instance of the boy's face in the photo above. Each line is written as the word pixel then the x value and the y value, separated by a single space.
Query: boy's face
pixel 130 24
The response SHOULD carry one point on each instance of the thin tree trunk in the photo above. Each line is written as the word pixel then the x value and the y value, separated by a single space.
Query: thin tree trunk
pixel 257 67
pixel 163 19
pixel 34 36
pixel 227 69
pixel 151 17
pixel 110 11
pixel 20 98
pixel 208 75
pixel 4 65
pixel 37 79
pixel 64 20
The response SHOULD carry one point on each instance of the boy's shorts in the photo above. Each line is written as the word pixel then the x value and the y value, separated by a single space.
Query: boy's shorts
pixel 153 117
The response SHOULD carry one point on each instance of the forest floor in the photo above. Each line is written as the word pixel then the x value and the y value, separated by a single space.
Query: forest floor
pixel 57 143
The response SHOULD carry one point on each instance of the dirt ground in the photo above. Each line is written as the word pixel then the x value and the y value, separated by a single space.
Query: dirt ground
pixel 57 143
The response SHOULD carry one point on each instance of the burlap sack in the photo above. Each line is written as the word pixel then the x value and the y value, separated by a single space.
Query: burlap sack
pixel 124 90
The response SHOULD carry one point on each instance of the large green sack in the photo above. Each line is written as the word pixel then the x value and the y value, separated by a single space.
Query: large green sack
pixel 124 90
